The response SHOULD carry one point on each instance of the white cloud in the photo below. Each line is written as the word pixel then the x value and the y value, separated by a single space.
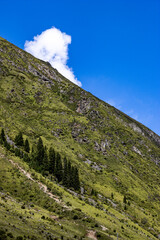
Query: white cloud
pixel 52 46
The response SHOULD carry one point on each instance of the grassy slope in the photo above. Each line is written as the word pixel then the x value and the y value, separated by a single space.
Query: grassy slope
pixel 37 100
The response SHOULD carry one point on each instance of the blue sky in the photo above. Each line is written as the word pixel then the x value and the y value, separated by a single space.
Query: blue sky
pixel 114 50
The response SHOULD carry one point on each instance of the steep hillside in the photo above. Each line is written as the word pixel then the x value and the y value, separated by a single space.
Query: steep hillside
pixel 117 157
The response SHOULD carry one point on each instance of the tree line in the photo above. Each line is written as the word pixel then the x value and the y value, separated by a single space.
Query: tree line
pixel 44 160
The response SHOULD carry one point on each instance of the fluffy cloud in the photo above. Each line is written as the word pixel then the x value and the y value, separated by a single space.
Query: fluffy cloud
pixel 52 46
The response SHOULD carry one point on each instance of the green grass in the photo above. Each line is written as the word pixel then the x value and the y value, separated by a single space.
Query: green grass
pixel 77 125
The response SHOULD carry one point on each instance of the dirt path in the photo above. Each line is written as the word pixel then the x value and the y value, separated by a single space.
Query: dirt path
pixel 28 175
pixel 45 190
pixel 42 186
pixel 91 234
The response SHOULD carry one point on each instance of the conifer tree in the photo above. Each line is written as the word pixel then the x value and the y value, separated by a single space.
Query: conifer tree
pixel 69 175
pixel 19 139
pixel 26 146
pixel 26 157
pixel 125 199
pixel 45 159
pixel 65 172
pixel 40 151
pixel 3 138
pixel 58 168
pixel 72 177
pixel 33 154
pixel 92 192
pixel 7 145
pixel 51 161
pixel 17 152
pixel 76 180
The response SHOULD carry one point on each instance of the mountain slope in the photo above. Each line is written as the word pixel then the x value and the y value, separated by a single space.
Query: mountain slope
pixel 117 157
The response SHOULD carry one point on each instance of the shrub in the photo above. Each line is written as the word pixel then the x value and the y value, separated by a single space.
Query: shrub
pixel 10 235
pixel 75 217
pixel 144 221
pixel 19 238
pixel 19 139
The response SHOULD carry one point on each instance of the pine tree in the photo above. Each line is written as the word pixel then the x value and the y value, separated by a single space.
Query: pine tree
pixel 7 145
pixel 76 180
pixel 26 146
pixel 3 138
pixel 45 159
pixel 17 152
pixel 125 199
pixel 69 175
pixel 51 161
pixel 19 139
pixel 92 192
pixel 33 155
pixel 65 172
pixel 72 177
pixel 112 195
pixel 58 168
pixel 26 157
pixel 40 152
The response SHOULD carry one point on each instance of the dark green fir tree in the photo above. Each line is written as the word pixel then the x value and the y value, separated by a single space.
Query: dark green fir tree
pixel 26 146
pixel 58 168
pixel 19 139
pixel 124 199
pixel 52 160
pixel 76 180
pixel 69 183
pixel 45 159
pixel 3 138
pixel 65 172
pixel 72 177
pixel 40 152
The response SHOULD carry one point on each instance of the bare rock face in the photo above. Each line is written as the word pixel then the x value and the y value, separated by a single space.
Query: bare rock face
pixel 94 165
pixel 95 114
pixel 136 128
pixel 153 136
pixel 88 161
pixel 147 132
pixel 102 147
pixel 137 150
pixel 84 106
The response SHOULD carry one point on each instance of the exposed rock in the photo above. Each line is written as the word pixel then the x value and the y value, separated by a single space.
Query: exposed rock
pixel 80 155
pixel 110 201
pixel 96 167
pixel 102 146
pixel 57 132
pixel 88 161
pixel 137 150
pixel 153 136
pixel 91 234
pixel 82 190
pixel 104 228
pixel 10 141
pixel 94 114
pixel 74 193
pixel 136 128
pixel 93 165
pixel 84 105
pixel 90 200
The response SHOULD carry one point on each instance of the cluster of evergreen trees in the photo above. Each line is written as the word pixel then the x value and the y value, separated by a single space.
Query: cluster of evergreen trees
pixel 3 140
pixel 44 160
